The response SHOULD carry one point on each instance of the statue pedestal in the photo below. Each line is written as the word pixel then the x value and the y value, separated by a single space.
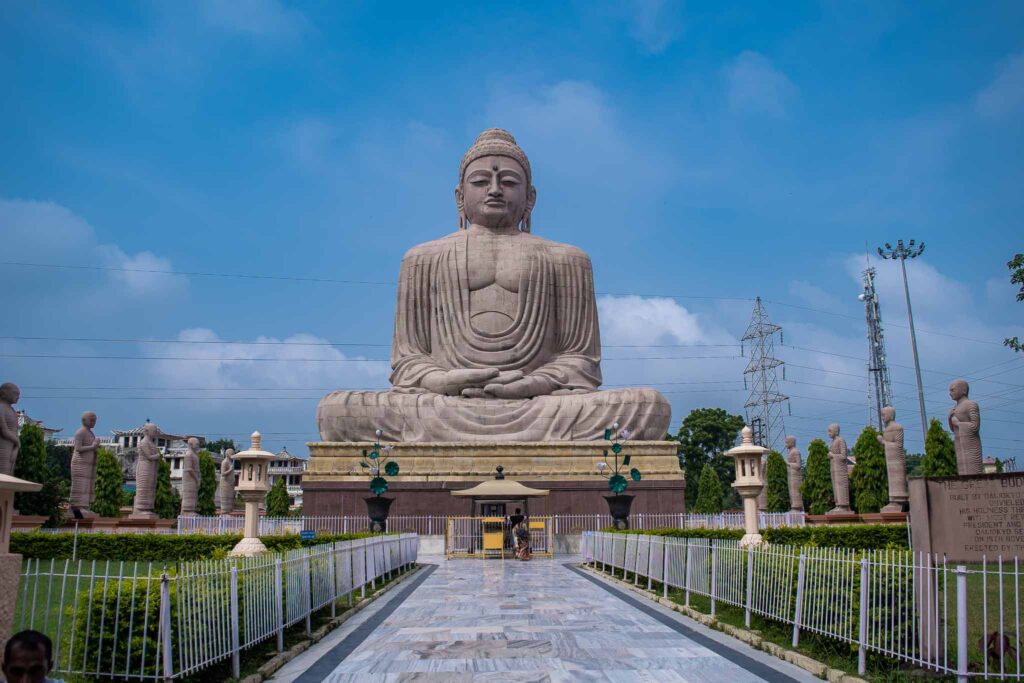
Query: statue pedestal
pixel 334 483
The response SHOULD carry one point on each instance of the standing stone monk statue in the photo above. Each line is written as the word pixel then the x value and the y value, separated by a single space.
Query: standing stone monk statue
pixel 10 441
pixel 965 423
pixel 146 468
pixel 83 467
pixel 895 461
pixel 840 473
pixel 226 487
pixel 190 478
pixel 496 333
pixel 796 475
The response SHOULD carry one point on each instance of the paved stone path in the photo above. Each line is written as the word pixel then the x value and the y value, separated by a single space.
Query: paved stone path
pixel 472 620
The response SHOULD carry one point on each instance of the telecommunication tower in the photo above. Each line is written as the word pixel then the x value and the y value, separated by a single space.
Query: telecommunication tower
pixel 879 386
pixel 764 405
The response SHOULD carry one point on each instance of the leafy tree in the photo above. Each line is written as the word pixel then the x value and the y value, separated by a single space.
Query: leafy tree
pixel 914 464
pixel 207 501
pixel 709 497
pixel 939 453
pixel 1016 266
pixel 777 480
pixel 109 485
pixel 219 445
pixel 59 457
pixel 704 435
pixel 32 464
pixel 817 487
pixel 278 502
pixel 166 501
pixel 870 479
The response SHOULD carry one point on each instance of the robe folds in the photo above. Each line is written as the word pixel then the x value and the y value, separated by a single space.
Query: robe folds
pixel 553 333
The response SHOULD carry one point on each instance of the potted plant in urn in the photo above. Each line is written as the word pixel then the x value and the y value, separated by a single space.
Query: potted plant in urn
pixel 619 502
pixel 376 463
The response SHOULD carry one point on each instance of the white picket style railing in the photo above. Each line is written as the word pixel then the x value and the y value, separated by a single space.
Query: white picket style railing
pixel 960 620
pixel 143 620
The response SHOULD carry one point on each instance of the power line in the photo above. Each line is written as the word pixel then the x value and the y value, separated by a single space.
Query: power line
pixel 299 360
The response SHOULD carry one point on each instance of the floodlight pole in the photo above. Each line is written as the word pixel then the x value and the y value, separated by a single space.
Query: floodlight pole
pixel 903 252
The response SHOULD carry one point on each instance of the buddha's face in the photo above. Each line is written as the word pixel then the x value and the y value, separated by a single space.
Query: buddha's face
pixel 10 393
pixel 888 414
pixel 494 193
pixel 833 431
pixel 89 420
pixel 958 389
pixel 790 442
pixel 150 430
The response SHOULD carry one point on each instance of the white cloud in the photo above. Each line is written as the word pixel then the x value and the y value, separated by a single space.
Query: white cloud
pixel 262 18
pixel 756 86
pixel 269 363
pixel 629 320
pixel 655 24
pixel 46 232
pixel 1004 96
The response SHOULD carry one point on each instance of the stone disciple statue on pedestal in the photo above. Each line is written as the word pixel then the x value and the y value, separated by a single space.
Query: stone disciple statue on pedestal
pixel 226 486
pixel 965 423
pixel 895 461
pixel 796 477
pixel 496 333
pixel 83 467
pixel 10 440
pixel 190 478
pixel 146 468
pixel 837 456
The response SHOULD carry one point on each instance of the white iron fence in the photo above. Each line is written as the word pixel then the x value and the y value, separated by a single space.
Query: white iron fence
pixel 139 620
pixel 963 620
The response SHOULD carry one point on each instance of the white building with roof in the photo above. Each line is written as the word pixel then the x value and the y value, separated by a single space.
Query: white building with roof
pixel 48 432
pixel 291 468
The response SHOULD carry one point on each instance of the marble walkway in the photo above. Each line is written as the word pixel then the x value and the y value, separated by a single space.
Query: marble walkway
pixel 470 620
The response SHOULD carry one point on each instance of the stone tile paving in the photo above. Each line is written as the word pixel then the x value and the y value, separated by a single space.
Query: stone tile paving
pixel 472 620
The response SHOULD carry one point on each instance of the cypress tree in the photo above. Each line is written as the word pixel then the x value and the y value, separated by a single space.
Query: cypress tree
pixel 278 502
pixel 777 481
pixel 939 452
pixel 870 479
pixel 206 503
pixel 817 487
pixel 166 501
pixel 33 464
pixel 109 485
pixel 709 492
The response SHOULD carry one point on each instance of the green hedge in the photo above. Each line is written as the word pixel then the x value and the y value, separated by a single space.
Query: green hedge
pixel 859 536
pixel 149 547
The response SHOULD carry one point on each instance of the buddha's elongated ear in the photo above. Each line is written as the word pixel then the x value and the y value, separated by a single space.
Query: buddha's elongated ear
pixel 531 201
pixel 460 204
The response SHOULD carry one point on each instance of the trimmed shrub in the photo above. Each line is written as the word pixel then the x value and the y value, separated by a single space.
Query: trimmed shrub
pixel 33 464
pixel 939 452
pixel 857 536
pixel 149 547
pixel 723 534
pixel 278 502
pixel 166 501
pixel 206 504
pixel 777 481
pixel 709 494
pixel 817 486
pixel 869 479
pixel 109 483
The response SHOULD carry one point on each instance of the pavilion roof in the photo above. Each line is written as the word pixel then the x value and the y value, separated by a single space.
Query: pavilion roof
pixel 500 488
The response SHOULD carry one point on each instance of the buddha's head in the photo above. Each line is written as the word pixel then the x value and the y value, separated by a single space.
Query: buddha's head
pixel 151 430
pixel 888 414
pixel 89 419
pixel 495 188
pixel 790 442
pixel 10 393
pixel 193 444
pixel 833 430
pixel 959 389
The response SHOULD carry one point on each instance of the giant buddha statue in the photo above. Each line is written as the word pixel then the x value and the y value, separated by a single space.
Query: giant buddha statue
pixel 496 332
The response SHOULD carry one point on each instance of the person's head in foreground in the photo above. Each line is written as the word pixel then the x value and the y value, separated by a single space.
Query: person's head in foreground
pixel 28 657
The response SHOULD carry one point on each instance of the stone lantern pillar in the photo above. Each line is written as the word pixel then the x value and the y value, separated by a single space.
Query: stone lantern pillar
pixel 10 563
pixel 253 484
pixel 749 482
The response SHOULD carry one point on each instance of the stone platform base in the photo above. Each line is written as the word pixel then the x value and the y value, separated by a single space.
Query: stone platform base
pixel 335 485
pixel 854 518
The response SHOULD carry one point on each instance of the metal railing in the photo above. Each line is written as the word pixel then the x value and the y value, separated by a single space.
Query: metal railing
pixel 142 620
pixel 493 537
pixel 963 620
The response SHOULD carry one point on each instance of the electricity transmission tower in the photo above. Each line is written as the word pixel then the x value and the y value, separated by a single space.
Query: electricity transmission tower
pixel 879 386
pixel 764 405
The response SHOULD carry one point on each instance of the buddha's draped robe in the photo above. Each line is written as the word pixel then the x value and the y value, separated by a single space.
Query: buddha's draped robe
pixel 554 333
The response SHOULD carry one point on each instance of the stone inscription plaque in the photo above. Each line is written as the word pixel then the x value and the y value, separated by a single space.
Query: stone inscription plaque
pixel 970 517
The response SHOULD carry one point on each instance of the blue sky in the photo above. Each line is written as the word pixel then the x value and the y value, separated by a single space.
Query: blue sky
pixel 701 154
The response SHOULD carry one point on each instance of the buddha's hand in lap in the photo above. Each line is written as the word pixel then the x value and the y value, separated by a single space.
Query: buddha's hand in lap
pixel 527 387
pixel 455 382
pixel 504 377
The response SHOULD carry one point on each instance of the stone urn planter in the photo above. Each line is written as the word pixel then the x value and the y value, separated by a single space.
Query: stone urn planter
pixel 618 508
pixel 377 510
